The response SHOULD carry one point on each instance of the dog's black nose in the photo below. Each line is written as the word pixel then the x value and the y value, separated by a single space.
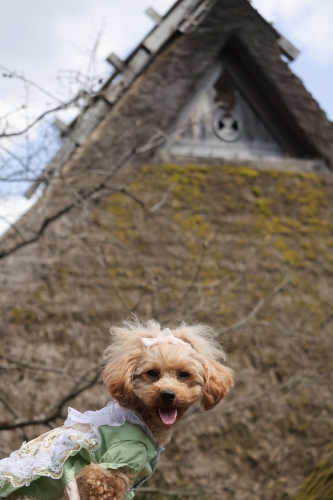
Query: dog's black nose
pixel 167 396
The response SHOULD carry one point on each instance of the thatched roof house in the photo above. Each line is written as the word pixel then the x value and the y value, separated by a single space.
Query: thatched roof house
pixel 195 186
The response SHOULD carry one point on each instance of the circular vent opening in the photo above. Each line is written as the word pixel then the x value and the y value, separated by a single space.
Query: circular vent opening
pixel 228 127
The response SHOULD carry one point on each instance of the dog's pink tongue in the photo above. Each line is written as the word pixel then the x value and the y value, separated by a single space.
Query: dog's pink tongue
pixel 168 417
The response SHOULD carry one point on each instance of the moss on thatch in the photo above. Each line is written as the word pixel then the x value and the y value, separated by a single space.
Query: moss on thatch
pixel 221 239
pixel 319 485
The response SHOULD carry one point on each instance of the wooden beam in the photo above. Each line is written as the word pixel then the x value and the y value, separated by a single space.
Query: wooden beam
pixel 288 49
pixel 115 61
pixel 85 125
pixel 61 126
pixel 88 121
pixel 193 21
pixel 277 126
pixel 136 64
pixel 154 16
pixel 169 25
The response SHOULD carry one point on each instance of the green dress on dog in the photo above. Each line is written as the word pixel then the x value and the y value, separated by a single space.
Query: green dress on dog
pixel 112 437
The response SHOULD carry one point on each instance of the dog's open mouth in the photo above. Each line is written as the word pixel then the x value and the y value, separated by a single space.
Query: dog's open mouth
pixel 168 417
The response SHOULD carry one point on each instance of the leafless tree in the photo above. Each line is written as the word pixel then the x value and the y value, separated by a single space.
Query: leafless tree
pixel 161 279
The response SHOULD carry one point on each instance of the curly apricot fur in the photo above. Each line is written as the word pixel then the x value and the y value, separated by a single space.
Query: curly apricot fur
pixel 128 362
pixel 96 483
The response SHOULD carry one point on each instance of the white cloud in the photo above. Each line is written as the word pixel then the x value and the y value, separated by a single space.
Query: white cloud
pixel 308 24
pixel 286 8
pixel 39 38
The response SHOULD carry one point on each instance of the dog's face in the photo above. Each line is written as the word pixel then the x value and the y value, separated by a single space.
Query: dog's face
pixel 168 380
pixel 165 380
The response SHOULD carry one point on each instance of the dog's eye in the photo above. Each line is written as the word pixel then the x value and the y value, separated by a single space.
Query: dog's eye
pixel 152 373
pixel 183 375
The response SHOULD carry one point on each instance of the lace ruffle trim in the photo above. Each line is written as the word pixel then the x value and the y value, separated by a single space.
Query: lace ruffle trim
pixel 113 414
pixel 47 458
pixel 28 462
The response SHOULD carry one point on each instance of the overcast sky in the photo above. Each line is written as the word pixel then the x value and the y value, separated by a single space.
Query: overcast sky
pixel 308 24
pixel 41 37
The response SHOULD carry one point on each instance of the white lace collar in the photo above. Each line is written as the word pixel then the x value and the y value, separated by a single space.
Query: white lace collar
pixel 113 415
pixel 46 455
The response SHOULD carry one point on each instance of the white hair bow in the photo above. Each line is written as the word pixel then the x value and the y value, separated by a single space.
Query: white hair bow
pixel 166 336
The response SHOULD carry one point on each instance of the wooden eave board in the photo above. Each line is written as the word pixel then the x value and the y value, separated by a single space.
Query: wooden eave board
pixel 272 108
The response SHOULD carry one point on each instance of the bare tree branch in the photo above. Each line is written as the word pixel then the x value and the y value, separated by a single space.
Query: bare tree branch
pixel 36 366
pixel 54 411
pixel 255 311
pixel 281 329
pixel 8 406
pixel 38 119
pixel 38 234
pixel 98 191
pixel 177 493
pixel 16 76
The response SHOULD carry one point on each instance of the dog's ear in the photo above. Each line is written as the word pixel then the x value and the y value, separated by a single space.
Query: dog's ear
pixel 218 380
pixel 118 378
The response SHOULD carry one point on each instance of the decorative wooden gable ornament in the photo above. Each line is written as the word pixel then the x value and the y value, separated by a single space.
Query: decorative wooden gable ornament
pixel 228 117
pixel 219 122
pixel 209 82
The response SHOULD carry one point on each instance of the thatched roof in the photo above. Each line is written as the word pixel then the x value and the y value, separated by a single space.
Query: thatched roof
pixel 115 233
pixel 156 80
pixel 223 239
pixel 319 485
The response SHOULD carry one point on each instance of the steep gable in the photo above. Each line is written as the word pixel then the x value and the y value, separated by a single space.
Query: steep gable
pixel 247 250
pixel 218 122
pixel 164 70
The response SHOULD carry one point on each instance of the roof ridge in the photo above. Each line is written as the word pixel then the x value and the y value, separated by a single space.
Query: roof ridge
pixel 126 71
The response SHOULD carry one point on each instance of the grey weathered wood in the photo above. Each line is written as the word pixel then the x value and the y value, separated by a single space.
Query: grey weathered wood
pixel 113 92
pixel 139 61
pixel 195 18
pixel 288 48
pixel 61 125
pixel 277 126
pixel 115 61
pixel 135 66
pixel 169 25
pixel 154 16
pixel 196 135
pixel 88 121
pixel 85 125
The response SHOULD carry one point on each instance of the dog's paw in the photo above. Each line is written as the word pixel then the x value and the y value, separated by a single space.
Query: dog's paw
pixel 96 483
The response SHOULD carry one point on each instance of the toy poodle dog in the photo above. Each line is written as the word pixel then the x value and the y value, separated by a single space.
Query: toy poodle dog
pixel 154 376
